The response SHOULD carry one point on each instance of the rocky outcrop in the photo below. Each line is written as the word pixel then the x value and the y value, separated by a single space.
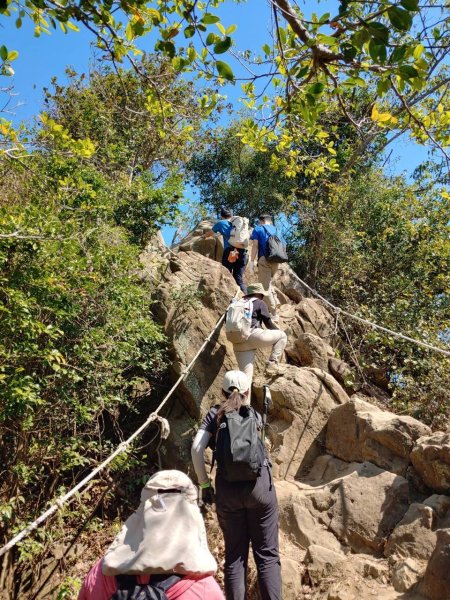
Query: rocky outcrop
pixel 302 402
pixel 431 459
pixel 310 350
pixel 436 582
pixel 346 471
pixel 361 431
pixel 320 562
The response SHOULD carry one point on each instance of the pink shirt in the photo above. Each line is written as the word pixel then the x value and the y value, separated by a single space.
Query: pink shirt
pixel 97 586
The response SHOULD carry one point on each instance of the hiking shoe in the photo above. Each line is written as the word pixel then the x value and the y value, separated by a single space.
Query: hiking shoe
pixel 271 366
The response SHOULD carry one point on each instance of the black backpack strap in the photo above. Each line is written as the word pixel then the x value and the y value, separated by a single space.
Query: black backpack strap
pixel 128 587
pixel 164 582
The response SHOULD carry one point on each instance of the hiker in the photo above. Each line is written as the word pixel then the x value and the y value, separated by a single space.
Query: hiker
pixel 245 497
pixel 256 337
pixel 234 231
pixel 266 270
pixel 162 549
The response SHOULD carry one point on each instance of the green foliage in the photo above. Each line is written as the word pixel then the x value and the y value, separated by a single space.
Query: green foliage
pixel 380 249
pixel 76 327
pixel 397 51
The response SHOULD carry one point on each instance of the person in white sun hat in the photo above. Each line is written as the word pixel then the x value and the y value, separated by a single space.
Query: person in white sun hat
pixel 161 552
pixel 245 496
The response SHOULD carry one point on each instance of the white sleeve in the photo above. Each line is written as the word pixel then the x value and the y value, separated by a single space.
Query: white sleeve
pixel 197 452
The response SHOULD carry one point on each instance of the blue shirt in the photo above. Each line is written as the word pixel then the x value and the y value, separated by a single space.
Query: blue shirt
pixel 262 233
pixel 223 227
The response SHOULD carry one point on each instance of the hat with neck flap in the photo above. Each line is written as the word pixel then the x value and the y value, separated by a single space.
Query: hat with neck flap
pixel 165 535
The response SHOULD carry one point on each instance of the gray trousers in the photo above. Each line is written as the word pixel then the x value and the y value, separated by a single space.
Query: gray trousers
pixel 248 512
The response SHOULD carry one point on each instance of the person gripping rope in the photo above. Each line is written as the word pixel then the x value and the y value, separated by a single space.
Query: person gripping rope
pixel 245 495
pixel 271 337
pixel 161 552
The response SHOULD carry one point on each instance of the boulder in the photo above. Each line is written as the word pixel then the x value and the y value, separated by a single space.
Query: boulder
pixel 436 582
pixel 298 518
pixel 286 280
pixel 366 504
pixel 320 562
pixel 310 350
pixel 431 459
pixel 192 297
pixel 406 573
pixel 303 399
pixel 359 431
pixel 415 535
pixel 290 578
pixel 345 375
pixel 358 502
pixel 321 321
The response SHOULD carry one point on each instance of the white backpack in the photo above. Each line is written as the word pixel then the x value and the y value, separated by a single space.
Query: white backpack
pixel 239 235
pixel 238 322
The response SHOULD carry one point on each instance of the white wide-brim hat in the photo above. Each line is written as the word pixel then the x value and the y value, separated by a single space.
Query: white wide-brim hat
pixel 165 535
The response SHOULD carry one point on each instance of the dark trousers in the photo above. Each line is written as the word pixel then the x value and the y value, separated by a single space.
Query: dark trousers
pixel 236 268
pixel 248 512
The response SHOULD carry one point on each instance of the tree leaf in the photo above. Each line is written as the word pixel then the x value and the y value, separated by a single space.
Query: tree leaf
pixel 211 38
pixel 412 5
pixel 407 72
pixel 210 19
pixel 189 31
pixel 418 51
pixel 3 52
pixel 401 19
pixel 316 88
pixel 12 55
pixel 378 32
pixel 222 46
pixel 224 70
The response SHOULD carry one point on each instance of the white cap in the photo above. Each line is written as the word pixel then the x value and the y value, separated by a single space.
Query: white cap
pixel 237 380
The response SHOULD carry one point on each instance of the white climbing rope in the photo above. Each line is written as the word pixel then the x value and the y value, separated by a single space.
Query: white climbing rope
pixel 340 311
pixel 121 448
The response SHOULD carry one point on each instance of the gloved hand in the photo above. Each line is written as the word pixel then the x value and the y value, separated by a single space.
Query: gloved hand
pixel 207 495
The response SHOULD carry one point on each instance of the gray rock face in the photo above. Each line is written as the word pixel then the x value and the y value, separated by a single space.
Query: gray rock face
pixel 320 562
pixel 310 350
pixel 415 535
pixel 367 504
pixel 431 459
pixel 361 431
pixel 436 582
pixel 303 400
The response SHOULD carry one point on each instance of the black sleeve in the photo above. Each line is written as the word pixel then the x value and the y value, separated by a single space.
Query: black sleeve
pixel 265 315
pixel 209 423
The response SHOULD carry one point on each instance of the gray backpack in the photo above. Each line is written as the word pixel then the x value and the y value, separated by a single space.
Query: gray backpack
pixel 239 450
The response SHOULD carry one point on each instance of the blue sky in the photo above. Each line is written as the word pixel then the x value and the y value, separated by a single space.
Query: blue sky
pixel 42 58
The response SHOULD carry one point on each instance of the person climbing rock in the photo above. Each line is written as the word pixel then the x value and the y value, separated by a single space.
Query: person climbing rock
pixel 266 270
pixel 161 552
pixel 235 253
pixel 245 496
pixel 271 337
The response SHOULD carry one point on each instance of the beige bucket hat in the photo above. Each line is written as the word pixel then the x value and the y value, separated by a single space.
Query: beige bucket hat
pixel 256 288
pixel 165 535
